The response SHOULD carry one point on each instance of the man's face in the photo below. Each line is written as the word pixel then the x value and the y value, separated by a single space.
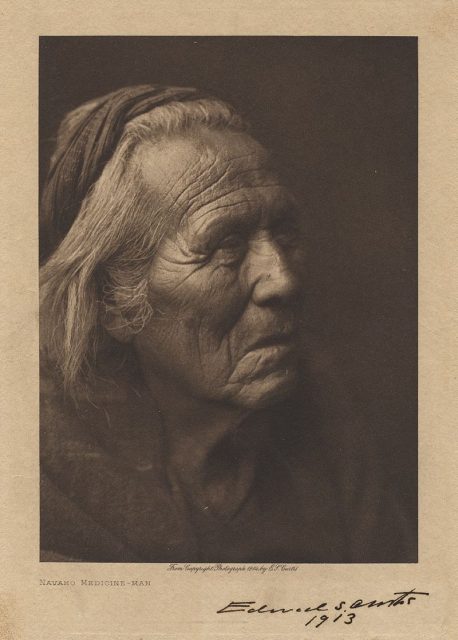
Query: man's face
pixel 223 283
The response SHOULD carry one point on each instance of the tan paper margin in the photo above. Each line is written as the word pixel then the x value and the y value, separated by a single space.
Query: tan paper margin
pixel 183 605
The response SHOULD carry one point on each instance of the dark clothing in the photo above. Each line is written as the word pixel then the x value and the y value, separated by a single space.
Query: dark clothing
pixel 106 495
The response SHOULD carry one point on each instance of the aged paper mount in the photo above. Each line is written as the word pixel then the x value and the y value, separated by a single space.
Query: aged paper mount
pixel 134 602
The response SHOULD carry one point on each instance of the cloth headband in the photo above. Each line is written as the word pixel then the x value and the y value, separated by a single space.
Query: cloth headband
pixel 86 148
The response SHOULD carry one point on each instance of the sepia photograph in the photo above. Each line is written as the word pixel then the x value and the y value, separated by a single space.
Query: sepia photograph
pixel 228 299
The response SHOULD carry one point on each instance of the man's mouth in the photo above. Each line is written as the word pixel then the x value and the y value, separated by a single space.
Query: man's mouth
pixel 284 338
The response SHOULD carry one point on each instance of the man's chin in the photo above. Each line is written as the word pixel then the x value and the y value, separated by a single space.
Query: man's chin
pixel 267 391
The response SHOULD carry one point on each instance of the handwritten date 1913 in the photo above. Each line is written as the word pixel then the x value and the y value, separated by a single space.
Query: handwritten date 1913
pixel 343 611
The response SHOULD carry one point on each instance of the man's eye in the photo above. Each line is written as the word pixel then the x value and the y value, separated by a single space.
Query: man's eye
pixel 230 250
pixel 287 235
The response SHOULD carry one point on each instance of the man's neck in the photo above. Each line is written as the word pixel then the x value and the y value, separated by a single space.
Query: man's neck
pixel 211 448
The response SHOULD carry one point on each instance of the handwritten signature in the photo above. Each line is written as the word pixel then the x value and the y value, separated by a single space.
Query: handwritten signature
pixel 324 612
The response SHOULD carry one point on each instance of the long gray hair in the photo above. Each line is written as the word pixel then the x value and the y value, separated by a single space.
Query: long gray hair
pixel 103 259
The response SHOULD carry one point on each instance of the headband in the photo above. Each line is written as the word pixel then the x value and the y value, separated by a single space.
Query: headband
pixel 86 148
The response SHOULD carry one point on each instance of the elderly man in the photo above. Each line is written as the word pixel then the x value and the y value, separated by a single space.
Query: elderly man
pixel 184 412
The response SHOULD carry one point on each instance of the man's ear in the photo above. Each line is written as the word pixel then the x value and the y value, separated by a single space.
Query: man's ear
pixel 115 324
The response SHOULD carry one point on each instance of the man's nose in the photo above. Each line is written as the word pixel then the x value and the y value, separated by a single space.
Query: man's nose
pixel 270 274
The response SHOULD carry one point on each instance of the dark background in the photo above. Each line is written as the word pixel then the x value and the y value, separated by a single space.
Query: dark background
pixel 341 115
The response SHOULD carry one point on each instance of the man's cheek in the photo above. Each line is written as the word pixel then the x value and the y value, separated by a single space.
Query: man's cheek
pixel 174 284
pixel 207 316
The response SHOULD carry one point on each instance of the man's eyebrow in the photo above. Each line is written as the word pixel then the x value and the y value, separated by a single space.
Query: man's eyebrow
pixel 226 218
pixel 245 214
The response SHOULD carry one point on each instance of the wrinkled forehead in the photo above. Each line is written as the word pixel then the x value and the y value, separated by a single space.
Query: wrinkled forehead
pixel 205 168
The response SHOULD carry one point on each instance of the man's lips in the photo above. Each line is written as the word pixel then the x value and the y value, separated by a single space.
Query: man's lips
pixel 273 352
pixel 284 338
